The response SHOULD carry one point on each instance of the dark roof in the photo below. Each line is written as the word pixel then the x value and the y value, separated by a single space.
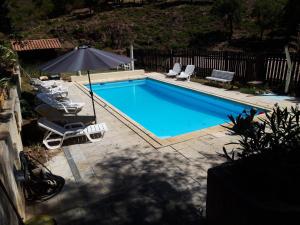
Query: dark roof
pixel 84 58
pixel 27 45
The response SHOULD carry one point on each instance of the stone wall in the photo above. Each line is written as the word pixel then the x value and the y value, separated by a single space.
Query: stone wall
pixel 10 146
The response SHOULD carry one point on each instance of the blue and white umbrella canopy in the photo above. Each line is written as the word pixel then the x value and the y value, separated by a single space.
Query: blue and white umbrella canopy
pixel 84 58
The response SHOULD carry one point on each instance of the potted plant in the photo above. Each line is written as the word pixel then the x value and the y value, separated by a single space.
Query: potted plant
pixel 260 182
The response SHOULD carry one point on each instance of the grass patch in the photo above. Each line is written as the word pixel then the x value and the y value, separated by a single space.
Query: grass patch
pixel 246 89
pixel 254 90
pixel 215 84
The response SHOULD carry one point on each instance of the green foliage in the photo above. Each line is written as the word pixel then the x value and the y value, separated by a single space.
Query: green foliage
pixel 230 11
pixel 4 82
pixel 8 60
pixel 5 24
pixel 268 13
pixel 92 4
pixel 276 138
pixel 27 103
pixel 253 90
pixel 243 122
pixel 291 18
pixel 155 25
pixel 44 8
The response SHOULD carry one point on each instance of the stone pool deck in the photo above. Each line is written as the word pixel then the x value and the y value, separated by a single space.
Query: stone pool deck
pixel 127 178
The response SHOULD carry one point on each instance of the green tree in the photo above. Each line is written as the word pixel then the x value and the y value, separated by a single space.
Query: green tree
pixel 268 14
pixel 44 8
pixel 291 18
pixel 5 24
pixel 21 14
pixel 230 11
pixel 62 6
pixel 91 4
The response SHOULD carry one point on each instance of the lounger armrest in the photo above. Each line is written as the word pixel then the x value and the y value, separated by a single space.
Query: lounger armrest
pixel 71 132
pixel 63 106
pixel 74 125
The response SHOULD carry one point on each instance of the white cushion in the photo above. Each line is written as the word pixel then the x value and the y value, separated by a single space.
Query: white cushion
pixel 218 79
pixel 171 73
pixel 220 74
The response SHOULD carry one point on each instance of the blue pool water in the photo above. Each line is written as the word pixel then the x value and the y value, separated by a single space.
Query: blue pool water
pixel 164 109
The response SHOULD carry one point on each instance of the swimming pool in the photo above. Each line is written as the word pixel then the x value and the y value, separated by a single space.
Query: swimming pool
pixel 164 109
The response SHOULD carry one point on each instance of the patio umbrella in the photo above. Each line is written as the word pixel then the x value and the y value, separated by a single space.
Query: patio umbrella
pixel 85 58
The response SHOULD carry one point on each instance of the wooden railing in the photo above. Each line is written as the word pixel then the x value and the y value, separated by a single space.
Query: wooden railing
pixel 268 67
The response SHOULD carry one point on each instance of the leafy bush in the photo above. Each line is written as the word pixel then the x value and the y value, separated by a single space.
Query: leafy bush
pixel 275 138
pixel 8 60
pixel 268 13
pixel 230 11
pixel 27 103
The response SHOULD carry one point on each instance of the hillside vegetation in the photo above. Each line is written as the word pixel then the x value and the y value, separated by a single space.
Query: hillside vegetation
pixel 153 24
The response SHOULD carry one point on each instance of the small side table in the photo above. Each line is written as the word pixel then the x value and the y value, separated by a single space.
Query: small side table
pixel 255 83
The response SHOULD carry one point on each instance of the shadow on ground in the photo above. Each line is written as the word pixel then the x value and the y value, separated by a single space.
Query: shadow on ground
pixel 128 188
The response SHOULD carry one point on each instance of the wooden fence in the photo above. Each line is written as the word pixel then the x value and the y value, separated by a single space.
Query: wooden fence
pixel 268 67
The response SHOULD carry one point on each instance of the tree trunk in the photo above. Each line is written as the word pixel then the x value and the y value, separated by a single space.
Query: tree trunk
pixel 261 33
pixel 230 26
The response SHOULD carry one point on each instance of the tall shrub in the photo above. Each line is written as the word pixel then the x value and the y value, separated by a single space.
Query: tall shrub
pixel 268 13
pixel 230 11
pixel 275 138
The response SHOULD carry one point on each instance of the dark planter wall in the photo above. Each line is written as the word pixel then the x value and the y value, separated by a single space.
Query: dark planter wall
pixel 229 202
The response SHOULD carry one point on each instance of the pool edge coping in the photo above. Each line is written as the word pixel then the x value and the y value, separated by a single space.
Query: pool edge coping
pixel 148 136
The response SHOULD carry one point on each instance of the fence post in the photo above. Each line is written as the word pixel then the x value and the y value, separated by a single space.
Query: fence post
pixel 193 55
pixel 131 56
pixel 289 71
pixel 225 55
pixel 171 59
pixel 260 67
pixel 156 61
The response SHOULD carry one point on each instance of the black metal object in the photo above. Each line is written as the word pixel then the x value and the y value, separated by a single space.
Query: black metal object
pixel 92 96
pixel 40 184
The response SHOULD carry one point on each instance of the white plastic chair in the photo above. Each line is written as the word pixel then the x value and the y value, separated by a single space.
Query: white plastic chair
pixel 189 70
pixel 175 71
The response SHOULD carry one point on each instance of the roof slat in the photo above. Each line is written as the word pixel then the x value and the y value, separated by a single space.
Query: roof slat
pixel 27 45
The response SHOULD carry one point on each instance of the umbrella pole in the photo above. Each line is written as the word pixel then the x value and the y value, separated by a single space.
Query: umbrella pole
pixel 92 95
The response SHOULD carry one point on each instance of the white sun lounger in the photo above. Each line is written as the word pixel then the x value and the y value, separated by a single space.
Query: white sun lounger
pixel 47 83
pixel 59 91
pixel 65 105
pixel 221 76
pixel 189 70
pixel 175 71
pixel 56 134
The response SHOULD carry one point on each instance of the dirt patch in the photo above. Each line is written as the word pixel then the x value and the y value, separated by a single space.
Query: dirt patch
pixel 32 138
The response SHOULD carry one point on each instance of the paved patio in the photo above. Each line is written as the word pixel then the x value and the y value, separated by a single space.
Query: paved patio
pixel 125 179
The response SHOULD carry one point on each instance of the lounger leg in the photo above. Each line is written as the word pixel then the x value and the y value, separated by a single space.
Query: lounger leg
pixel 94 139
pixel 46 141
